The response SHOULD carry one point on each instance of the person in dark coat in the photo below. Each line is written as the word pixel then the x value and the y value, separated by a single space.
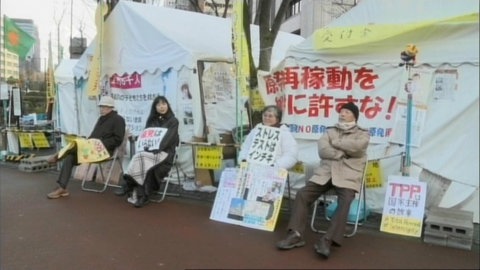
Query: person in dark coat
pixel 110 129
pixel 342 151
pixel 148 167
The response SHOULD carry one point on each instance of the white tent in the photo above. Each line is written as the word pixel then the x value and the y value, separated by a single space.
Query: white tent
pixel 161 49
pixel 365 43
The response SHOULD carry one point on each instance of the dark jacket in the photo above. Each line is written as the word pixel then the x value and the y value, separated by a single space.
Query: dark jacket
pixel 110 129
pixel 171 139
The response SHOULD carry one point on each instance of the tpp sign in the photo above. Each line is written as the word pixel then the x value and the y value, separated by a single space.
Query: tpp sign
pixel 404 206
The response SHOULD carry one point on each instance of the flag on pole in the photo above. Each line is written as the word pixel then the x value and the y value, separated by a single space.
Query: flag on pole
pixel 15 39
pixel 94 76
pixel 50 75
pixel 240 48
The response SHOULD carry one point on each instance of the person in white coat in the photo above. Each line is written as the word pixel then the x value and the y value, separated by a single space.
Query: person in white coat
pixel 287 155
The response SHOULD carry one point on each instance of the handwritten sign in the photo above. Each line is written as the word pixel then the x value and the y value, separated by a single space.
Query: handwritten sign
pixel 265 145
pixel 404 206
pixel 150 138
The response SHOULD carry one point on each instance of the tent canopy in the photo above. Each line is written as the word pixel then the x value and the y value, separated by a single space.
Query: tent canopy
pixel 375 32
pixel 141 37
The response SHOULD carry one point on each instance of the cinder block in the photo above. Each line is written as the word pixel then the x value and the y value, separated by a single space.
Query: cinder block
pixel 449 227
pixel 451 222
pixel 448 240
pixel 35 164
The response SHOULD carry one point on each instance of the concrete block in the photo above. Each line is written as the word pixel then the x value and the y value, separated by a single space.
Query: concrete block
pixel 450 222
pixel 448 240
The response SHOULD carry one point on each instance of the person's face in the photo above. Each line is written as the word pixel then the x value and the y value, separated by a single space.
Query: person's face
pixel 346 116
pixel 269 118
pixel 104 110
pixel 162 107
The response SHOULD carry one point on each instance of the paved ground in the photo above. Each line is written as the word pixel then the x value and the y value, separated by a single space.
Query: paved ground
pixel 102 231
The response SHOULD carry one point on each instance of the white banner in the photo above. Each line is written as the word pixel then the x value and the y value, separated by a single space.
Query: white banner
pixel 134 94
pixel 311 96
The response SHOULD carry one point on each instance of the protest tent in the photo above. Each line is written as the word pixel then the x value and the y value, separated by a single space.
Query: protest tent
pixel 365 43
pixel 150 51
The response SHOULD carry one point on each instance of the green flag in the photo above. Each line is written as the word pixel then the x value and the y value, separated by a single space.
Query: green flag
pixel 15 39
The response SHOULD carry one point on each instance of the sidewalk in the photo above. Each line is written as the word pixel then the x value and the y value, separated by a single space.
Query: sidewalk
pixel 102 231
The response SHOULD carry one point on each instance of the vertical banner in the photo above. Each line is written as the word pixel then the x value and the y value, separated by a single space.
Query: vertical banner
pixel 94 76
pixel 250 196
pixel 404 206
pixel 240 48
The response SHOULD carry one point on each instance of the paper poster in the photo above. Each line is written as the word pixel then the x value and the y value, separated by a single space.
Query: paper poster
pixel 25 140
pixel 250 196
pixel 208 157
pixel 40 140
pixel 150 138
pixel 374 174
pixel 404 206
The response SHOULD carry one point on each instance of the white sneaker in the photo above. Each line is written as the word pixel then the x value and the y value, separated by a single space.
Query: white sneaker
pixel 133 199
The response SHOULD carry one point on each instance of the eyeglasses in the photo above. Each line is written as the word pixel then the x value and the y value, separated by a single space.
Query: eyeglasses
pixel 269 115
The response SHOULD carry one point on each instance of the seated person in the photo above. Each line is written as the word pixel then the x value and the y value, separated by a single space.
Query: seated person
pixel 110 129
pixel 148 166
pixel 342 151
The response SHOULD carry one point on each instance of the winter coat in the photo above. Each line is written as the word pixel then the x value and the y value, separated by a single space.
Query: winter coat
pixel 159 160
pixel 287 154
pixel 110 129
pixel 342 157
pixel 171 140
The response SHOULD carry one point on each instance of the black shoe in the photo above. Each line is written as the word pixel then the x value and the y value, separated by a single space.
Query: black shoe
pixel 142 201
pixel 322 247
pixel 293 240
pixel 124 190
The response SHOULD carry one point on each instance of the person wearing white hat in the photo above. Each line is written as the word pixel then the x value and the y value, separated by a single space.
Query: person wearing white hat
pixel 110 129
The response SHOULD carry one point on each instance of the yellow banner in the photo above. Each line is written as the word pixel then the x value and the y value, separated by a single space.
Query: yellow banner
pixel 350 36
pixel 240 48
pixel 208 157
pixel 94 76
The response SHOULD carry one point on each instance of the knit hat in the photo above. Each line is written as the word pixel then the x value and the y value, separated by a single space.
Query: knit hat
pixel 107 101
pixel 353 108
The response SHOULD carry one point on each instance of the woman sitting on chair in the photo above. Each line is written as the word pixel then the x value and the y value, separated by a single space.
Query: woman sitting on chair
pixel 149 166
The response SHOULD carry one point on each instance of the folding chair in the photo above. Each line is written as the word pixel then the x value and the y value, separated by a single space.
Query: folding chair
pixel 116 157
pixel 361 200
pixel 167 180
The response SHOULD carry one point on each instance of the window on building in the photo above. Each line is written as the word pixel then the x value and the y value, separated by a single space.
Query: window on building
pixel 293 9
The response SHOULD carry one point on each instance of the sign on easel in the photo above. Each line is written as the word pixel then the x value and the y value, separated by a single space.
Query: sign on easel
pixel 404 206
pixel 250 196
